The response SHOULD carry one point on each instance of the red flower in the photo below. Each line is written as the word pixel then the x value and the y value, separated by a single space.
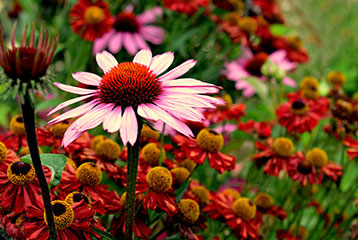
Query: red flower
pixel 13 225
pixel 270 10
pixel 184 6
pixel 206 145
pixel 352 151
pixel 240 219
pixel 265 205
pixel 161 194
pixel 294 48
pixel 298 116
pixel 16 137
pixel 275 155
pixel 303 171
pixel 72 222
pixel 91 19
pixel 258 129
pixel 19 186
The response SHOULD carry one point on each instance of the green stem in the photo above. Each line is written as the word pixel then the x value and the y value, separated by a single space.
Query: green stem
pixel 132 169
pixel 273 96
pixel 161 145
pixel 28 113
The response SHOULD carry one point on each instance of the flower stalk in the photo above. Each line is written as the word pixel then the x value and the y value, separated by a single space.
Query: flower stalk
pixel 132 169
pixel 28 113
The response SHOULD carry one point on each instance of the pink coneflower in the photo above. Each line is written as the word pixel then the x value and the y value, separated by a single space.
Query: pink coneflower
pixel 131 31
pixel 250 65
pixel 130 90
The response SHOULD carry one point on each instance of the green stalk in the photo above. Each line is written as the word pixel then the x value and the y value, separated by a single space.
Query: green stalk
pixel 132 169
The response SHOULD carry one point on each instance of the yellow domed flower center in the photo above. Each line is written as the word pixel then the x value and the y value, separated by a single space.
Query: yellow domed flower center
pixel 89 173
pixel 180 174
pixel 77 197
pixel 232 18
pixel 295 42
pixel 21 173
pixel 59 129
pixel 336 78
pixel 3 152
pixel 209 140
pixel 108 149
pixel 151 154
pixel 263 200
pixel 244 208
pixel 248 24
pixel 26 151
pixel 317 157
pixel 232 192
pixel 189 210
pixel 159 179
pixel 62 213
pixel 283 147
pixel 202 194
pixel 147 132
pixel 188 164
pixel 96 140
pixel 228 102
pixel 299 107
pixel 309 83
pixel 94 14
pixel 17 126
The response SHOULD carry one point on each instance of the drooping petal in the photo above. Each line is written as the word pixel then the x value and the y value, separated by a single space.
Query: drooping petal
pixel 72 89
pixel 129 126
pixel 106 61
pixel 143 57
pixel 145 112
pixel 162 62
pixel 129 43
pixel 186 82
pixel 115 43
pixel 112 121
pixel 150 15
pixel 68 102
pixel 153 34
pixel 101 43
pixel 94 117
pixel 178 71
pixel 87 78
pixel 180 112
pixel 289 82
pixel 140 41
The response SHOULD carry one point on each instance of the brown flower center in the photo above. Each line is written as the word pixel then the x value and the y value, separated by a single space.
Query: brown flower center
pixel 126 22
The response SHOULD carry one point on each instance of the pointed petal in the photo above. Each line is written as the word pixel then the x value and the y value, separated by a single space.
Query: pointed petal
pixel 115 43
pixel 68 102
pixel 145 112
pixel 143 57
pixel 106 61
pixel 87 78
pixel 186 82
pixel 129 126
pixel 94 117
pixel 112 121
pixel 72 89
pixel 129 43
pixel 162 62
pixel 178 71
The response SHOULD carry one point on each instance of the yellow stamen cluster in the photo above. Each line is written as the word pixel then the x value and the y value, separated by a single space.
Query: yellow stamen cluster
pixel 232 192
pixel 3 152
pixel 202 194
pixel 96 140
pixel 189 210
pixel 77 197
pixel 17 126
pixel 62 213
pixel 209 140
pixel 180 174
pixel 336 78
pixel 147 132
pixel 244 208
pixel 21 173
pixel 26 151
pixel 188 164
pixel 232 17
pixel 89 174
pixel 228 102
pixel 309 87
pixel 248 24
pixel 263 200
pixel 108 149
pixel 295 42
pixel 59 129
pixel 151 154
pixel 317 157
pixel 159 179
pixel 283 147
pixel 94 14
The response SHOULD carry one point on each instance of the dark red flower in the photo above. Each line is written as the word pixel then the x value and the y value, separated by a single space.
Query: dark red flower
pixel 258 129
pixel 294 48
pixel 270 10
pixel 265 205
pixel 352 145
pixel 189 7
pixel 16 137
pixel 91 19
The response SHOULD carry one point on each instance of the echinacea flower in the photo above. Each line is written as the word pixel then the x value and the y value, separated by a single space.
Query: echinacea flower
pixel 207 144
pixel 91 19
pixel 26 66
pixel 250 65
pixel 131 31
pixel 130 90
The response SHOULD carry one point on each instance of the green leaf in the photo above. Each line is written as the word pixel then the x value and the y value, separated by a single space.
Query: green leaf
pixel 103 234
pixel 279 30
pixel 180 191
pixel 260 87
pixel 349 177
pixel 55 162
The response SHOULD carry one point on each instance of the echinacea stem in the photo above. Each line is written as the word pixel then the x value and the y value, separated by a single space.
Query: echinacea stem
pixel 28 113
pixel 132 169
